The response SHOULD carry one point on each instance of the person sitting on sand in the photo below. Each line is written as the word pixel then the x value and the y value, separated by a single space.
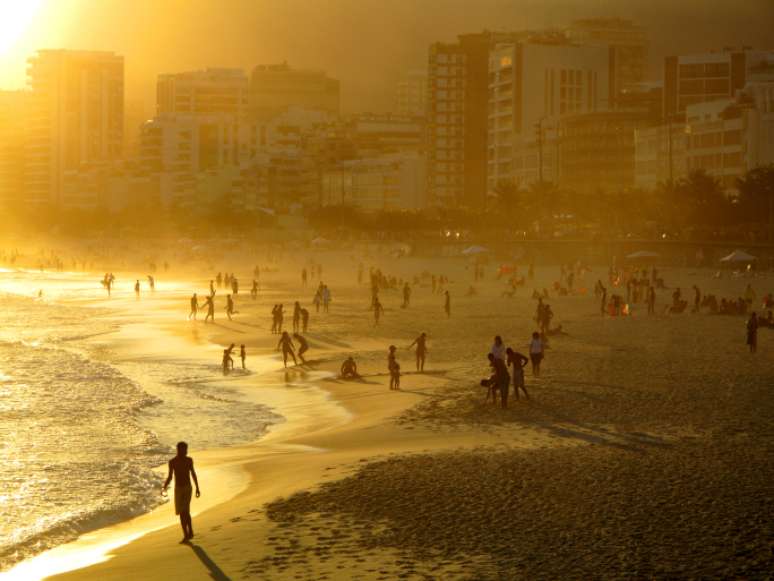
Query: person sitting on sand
pixel 349 369
pixel 182 467
pixel 303 346
pixel 518 362
pixel 286 344
pixel 421 352
pixel 536 353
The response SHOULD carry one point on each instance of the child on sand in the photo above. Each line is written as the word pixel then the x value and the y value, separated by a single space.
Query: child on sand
pixel 395 376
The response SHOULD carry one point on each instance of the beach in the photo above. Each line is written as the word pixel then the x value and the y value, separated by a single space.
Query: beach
pixel 645 450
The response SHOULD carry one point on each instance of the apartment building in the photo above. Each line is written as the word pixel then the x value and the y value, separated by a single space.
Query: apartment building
pixel 411 94
pixel 700 78
pixel 75 118
pixel 532 84
pixel 276 88
pixel 12 140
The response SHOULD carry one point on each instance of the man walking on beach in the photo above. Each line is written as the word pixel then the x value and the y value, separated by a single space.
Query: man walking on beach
pixel 182 467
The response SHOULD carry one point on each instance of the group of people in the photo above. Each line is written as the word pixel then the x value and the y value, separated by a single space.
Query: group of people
pixel 228 359
pixel 501 359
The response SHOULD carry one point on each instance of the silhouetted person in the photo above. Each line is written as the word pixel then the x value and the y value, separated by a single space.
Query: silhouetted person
pixel 536 353
pixel 209 302
pixel 286 346
pixel 421 352
pixel 304 320
pixel 518 362
pixel 378 311
pixel 501 378
pixel 137 289
pixel 303 346
pixel 296 317
pixel 243 355
pixel 194 307
pixel 304 278
pixel 229 306
pixel 349 369
pixel 447 304
pixel 752 332
pixel 182 467
pixel 406 295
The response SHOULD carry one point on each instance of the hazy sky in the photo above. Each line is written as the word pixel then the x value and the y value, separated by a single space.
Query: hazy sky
pixel 365 43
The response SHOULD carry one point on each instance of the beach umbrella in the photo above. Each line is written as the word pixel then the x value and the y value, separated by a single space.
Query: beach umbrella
pixel 473 250
pixel 739 256
pixel 642 254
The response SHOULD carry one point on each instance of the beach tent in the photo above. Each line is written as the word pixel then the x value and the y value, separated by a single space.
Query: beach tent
pixel 472 250
pixel 739 256
pixel 642 254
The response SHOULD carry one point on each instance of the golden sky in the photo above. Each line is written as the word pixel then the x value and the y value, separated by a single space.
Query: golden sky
pixel 365 43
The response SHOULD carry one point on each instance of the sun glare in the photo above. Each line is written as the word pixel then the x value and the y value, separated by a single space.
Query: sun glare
pixel 15 18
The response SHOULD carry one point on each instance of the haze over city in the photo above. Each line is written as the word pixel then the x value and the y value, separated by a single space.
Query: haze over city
pixel 422 289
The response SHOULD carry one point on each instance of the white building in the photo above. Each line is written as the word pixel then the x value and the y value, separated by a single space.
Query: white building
pixel 726 138
pixel 75 117
pixel 532 84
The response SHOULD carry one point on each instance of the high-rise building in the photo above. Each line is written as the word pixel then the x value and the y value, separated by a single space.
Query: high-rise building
pixel 276 88
pixel 534 83
pixel 75 117
pixel 628 46
pixel 12 137
pixel 701 78
pixel 411 94
pixel 211 91
pixel 456 123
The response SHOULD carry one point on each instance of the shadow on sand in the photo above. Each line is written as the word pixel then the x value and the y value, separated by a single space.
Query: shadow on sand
pixel 215 571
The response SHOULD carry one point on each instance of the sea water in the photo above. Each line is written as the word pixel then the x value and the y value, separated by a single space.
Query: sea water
pixel 80 434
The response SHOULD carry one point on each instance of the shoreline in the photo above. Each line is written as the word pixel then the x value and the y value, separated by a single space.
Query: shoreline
pixel 222 464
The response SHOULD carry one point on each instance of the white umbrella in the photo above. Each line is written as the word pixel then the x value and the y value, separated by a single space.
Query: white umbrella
pixel 739 256
pixel 471 250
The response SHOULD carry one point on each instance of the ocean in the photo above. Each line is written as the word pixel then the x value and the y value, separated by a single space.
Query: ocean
pixel 80 430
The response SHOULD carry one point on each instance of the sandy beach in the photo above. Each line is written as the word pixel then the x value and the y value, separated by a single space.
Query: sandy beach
pixel 644 452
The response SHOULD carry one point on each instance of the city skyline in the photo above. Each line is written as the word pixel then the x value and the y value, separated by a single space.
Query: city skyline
pixel 390 41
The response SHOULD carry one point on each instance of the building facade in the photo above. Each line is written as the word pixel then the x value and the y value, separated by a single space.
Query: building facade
pixel 75 118
pixel 208 92
pixel 12 145
pixel 700 78
pixel 627 44
pixel 276 88
pixel 533 84
pixel 411 94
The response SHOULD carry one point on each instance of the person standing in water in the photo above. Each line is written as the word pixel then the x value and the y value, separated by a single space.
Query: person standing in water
pixel 752 332
pixel 137 289
pixel 296 317
pixel 229 307
pixel 304 320
pixel 536 353
pixel 243 355
pixel 209 302
pixel 447 304
pixel 303 346
pixel 286 346
pixel 378 311
pixel 194 307
pixel 421 352
pixel 182 468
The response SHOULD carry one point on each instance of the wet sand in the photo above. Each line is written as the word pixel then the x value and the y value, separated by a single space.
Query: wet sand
pixel 646 450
